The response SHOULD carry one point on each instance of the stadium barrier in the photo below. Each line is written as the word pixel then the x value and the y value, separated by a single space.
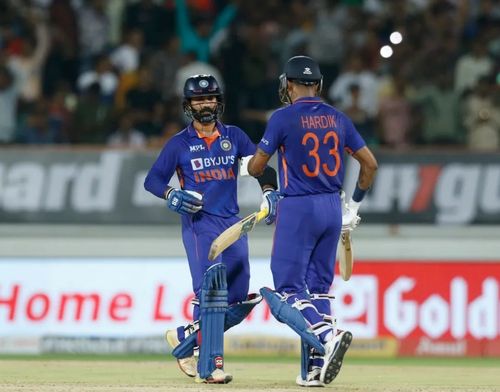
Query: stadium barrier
pixel 428 308
pixel 93 186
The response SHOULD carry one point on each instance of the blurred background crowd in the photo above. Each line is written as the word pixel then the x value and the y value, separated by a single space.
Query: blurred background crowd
pixel 409 73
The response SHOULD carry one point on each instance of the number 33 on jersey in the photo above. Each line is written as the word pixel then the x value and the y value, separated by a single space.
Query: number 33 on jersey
pixel 317 149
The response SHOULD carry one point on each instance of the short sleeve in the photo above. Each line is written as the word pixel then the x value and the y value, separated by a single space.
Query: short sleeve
pixel 353 140
pixel 273 136
pixel 245 146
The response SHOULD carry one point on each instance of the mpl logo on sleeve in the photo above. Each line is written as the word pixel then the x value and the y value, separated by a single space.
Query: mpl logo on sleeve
pixel 197 163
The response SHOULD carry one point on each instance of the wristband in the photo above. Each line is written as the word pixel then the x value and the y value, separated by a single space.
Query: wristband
pixel 358 194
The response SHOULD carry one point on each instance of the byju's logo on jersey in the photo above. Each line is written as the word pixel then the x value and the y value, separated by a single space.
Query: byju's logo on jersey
pixel 198 147
pixel 197 163
pixel 307 71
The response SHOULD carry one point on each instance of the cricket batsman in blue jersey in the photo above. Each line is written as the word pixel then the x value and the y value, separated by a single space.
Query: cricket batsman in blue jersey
pixel 310 137
pixel 206 157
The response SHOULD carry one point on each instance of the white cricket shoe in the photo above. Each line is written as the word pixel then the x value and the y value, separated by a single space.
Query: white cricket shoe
pixel 312 378
pixel 218 376
pixel 335 350
pixel 188 365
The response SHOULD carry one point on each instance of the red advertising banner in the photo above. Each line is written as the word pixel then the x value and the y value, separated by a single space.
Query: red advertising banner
pixel 433 308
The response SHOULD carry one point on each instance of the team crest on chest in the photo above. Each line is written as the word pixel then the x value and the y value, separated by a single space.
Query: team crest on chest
pixel 225 144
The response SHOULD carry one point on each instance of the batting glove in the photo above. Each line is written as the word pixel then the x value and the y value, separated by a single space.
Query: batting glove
pixel 184 202
pixel 350 217
pixel 270 199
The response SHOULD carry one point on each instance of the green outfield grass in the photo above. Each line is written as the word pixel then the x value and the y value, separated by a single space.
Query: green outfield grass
pixel 160 373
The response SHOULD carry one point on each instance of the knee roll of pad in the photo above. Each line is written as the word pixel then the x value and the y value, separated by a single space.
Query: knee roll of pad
pixel 290 316
pixel 237 312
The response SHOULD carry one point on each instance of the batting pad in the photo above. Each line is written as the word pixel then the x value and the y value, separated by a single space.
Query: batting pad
pixel 239 311
pixel 235 314
pixel 213 307
pixel 292 317
pixel 185 347
pixel 305 350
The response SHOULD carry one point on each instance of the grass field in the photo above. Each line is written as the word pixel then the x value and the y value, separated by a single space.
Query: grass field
pixel 154 373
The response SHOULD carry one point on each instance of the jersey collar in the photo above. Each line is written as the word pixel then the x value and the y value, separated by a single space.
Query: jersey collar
pixel 308 99
pixel 219 131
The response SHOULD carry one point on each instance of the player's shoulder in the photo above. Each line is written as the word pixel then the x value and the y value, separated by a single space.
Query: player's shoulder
pixel 338 114
pixel 232 131
pixel 280 113
pixel 179 138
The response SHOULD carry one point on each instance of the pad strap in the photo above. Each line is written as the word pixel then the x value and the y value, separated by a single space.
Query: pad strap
pixel 290 316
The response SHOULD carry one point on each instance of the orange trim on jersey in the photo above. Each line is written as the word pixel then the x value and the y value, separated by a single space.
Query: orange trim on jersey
pixel 180 176
pixel 209 139
pixel 309 101
pixel 349 151
pixel 285 166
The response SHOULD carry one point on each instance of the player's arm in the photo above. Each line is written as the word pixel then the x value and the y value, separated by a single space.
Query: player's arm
pixel 268 181
pixel 368 167
pixel 158 177
pixel 258 163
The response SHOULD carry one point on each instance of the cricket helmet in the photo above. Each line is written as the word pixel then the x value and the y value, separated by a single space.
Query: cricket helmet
pixel 302 70
pixel 202 86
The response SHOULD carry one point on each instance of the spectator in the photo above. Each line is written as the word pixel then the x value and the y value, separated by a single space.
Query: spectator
pixel 93 31
pixel 126 135
pixel 163 66
pixel 91 118
pixel 156 22
pixel 29 63
pixel 471 66
pixel 126 57
pixel 9 92
pixel 355 73
pixel 39 129
pixel 199 35
pixel 438 103
pixel 145 102
pixel 482 116
pixel 102 74
pixel 395 115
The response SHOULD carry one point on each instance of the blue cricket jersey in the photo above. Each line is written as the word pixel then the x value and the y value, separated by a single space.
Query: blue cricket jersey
pixel 310 137
pixel 206 165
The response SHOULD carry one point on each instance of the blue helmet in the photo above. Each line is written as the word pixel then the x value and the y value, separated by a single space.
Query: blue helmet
pixel 302 70
pixel 202 86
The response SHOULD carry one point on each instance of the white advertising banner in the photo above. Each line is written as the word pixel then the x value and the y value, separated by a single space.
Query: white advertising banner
pixel 107 297
pixel 117 297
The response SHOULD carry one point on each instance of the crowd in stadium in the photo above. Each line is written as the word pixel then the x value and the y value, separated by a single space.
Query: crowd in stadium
pixel 111 71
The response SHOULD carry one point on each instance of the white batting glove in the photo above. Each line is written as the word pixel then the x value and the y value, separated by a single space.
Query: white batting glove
pixel 244 165
pixel 350 217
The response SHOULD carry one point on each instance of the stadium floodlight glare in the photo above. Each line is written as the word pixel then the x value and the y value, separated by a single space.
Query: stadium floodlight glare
pixel 386 51
pixel 396 37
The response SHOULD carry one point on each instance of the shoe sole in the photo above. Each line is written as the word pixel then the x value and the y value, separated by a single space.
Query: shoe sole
pixel 173 343
pixel 226 380
pixel 335 364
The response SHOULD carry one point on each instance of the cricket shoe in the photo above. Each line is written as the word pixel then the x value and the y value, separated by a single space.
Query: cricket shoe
pixel 188 365
pixel 218 376
pixel 312 378
pixel 335 350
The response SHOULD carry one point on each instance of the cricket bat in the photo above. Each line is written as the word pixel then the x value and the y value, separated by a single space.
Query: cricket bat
pixel 346 259
pixel 235 232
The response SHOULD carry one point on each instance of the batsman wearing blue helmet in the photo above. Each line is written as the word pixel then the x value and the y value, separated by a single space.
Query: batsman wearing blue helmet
pixel 310 137
pixel 205 156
